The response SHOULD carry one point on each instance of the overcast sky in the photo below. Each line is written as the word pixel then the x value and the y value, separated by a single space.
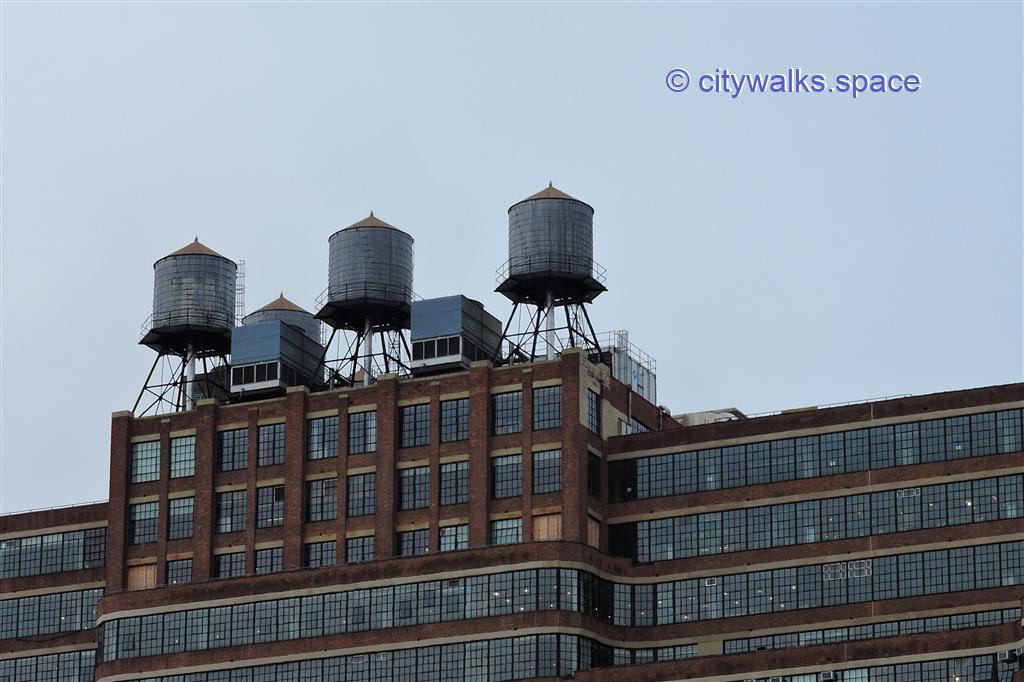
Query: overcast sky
pixel 770 251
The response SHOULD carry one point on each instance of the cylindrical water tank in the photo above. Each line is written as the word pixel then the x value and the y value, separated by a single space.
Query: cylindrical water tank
pixel 550 232
pixel 283 310
pixel 370 271
pixel 193 290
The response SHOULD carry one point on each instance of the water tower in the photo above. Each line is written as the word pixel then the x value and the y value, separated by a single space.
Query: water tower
pixel 193 314
pixel 550 276
pixel 368 299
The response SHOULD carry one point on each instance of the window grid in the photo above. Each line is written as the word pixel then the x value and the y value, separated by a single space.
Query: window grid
pixel 454 538
pixel 547 471
pixel 828 454
pixel 269 560
pixel 180 517
pixel 270 506
pixel 413 542
pixel 179 571
pixel 454 483
pixel 415 425
pixel 362 432
pixel 183 456
pixel 506 476
pixel 506 531
pixel 232 449
pixel 454 420
pixel 231 508
pixel 322 499
pixel 142 523
pixel 594 412
pixel 270 448
pixel 507 413
pixel 414 488
pixel 359 550
pixel 547 407
pixel 362 494
pixel 321 554
pixel 145 461
pixel 322 438
pixel 230 565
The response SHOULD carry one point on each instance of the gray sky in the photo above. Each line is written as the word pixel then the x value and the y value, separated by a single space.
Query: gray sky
pixel 770 251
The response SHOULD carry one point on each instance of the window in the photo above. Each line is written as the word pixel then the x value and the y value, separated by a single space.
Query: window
pixel 179 571
pixel 231 511
pixel 362 432
pixel 321 554
pixel 362 494
pixel 507 476
pixel 359 550
pixel 232 449
pixel 145 461
pixel 230 565
pixel 507 412
pixel 142 523
pixel 183 456
pixel 454 537
pixel 322 499
pixel 271 445
pixel 322 438
pixel 506 531
pixel 413 488
pixel 269 560
pixel 180 511
pixel 547 471
pixel 454 483
pixel 454 420
pixel 413 542
pixel 547 407
pixel 270 506
pixel 594 412
pixel 415 425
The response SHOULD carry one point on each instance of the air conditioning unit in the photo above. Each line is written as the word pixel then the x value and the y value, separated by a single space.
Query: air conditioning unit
pixel 831 677
pixel 710 582
pixel 1020 651
pixel 775 679
pixel 1004 656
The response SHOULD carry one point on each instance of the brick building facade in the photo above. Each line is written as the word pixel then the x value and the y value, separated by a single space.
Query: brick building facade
pixel 531 521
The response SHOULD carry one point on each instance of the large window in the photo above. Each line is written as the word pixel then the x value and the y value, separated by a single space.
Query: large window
pixel 359 550
pixel 322 438
pixel 269 560
pixel 53 552
pixel 180 517
pixel 46 614
pixel 454 483
pixel 230 565
pixel 231 511
pixel 825 455
pixel 413 488
pixel 362 494
pixel 270 506
pixel 362 432
pixel 507 476
pixel 454 420
pixel 321 554
pixel 183 456
pixel 547 471
pixel 322 499
pixel 834 518
pixel 594 411
pixel 179 571
pixel 507 412
pixel 413 542
pixel 415 425
pixel 594 475
pixel 145 461
pixel 506 531
pixel 232 449
pixel 547 407
pixel 271 445
pixel 454 537
pixel 142 523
